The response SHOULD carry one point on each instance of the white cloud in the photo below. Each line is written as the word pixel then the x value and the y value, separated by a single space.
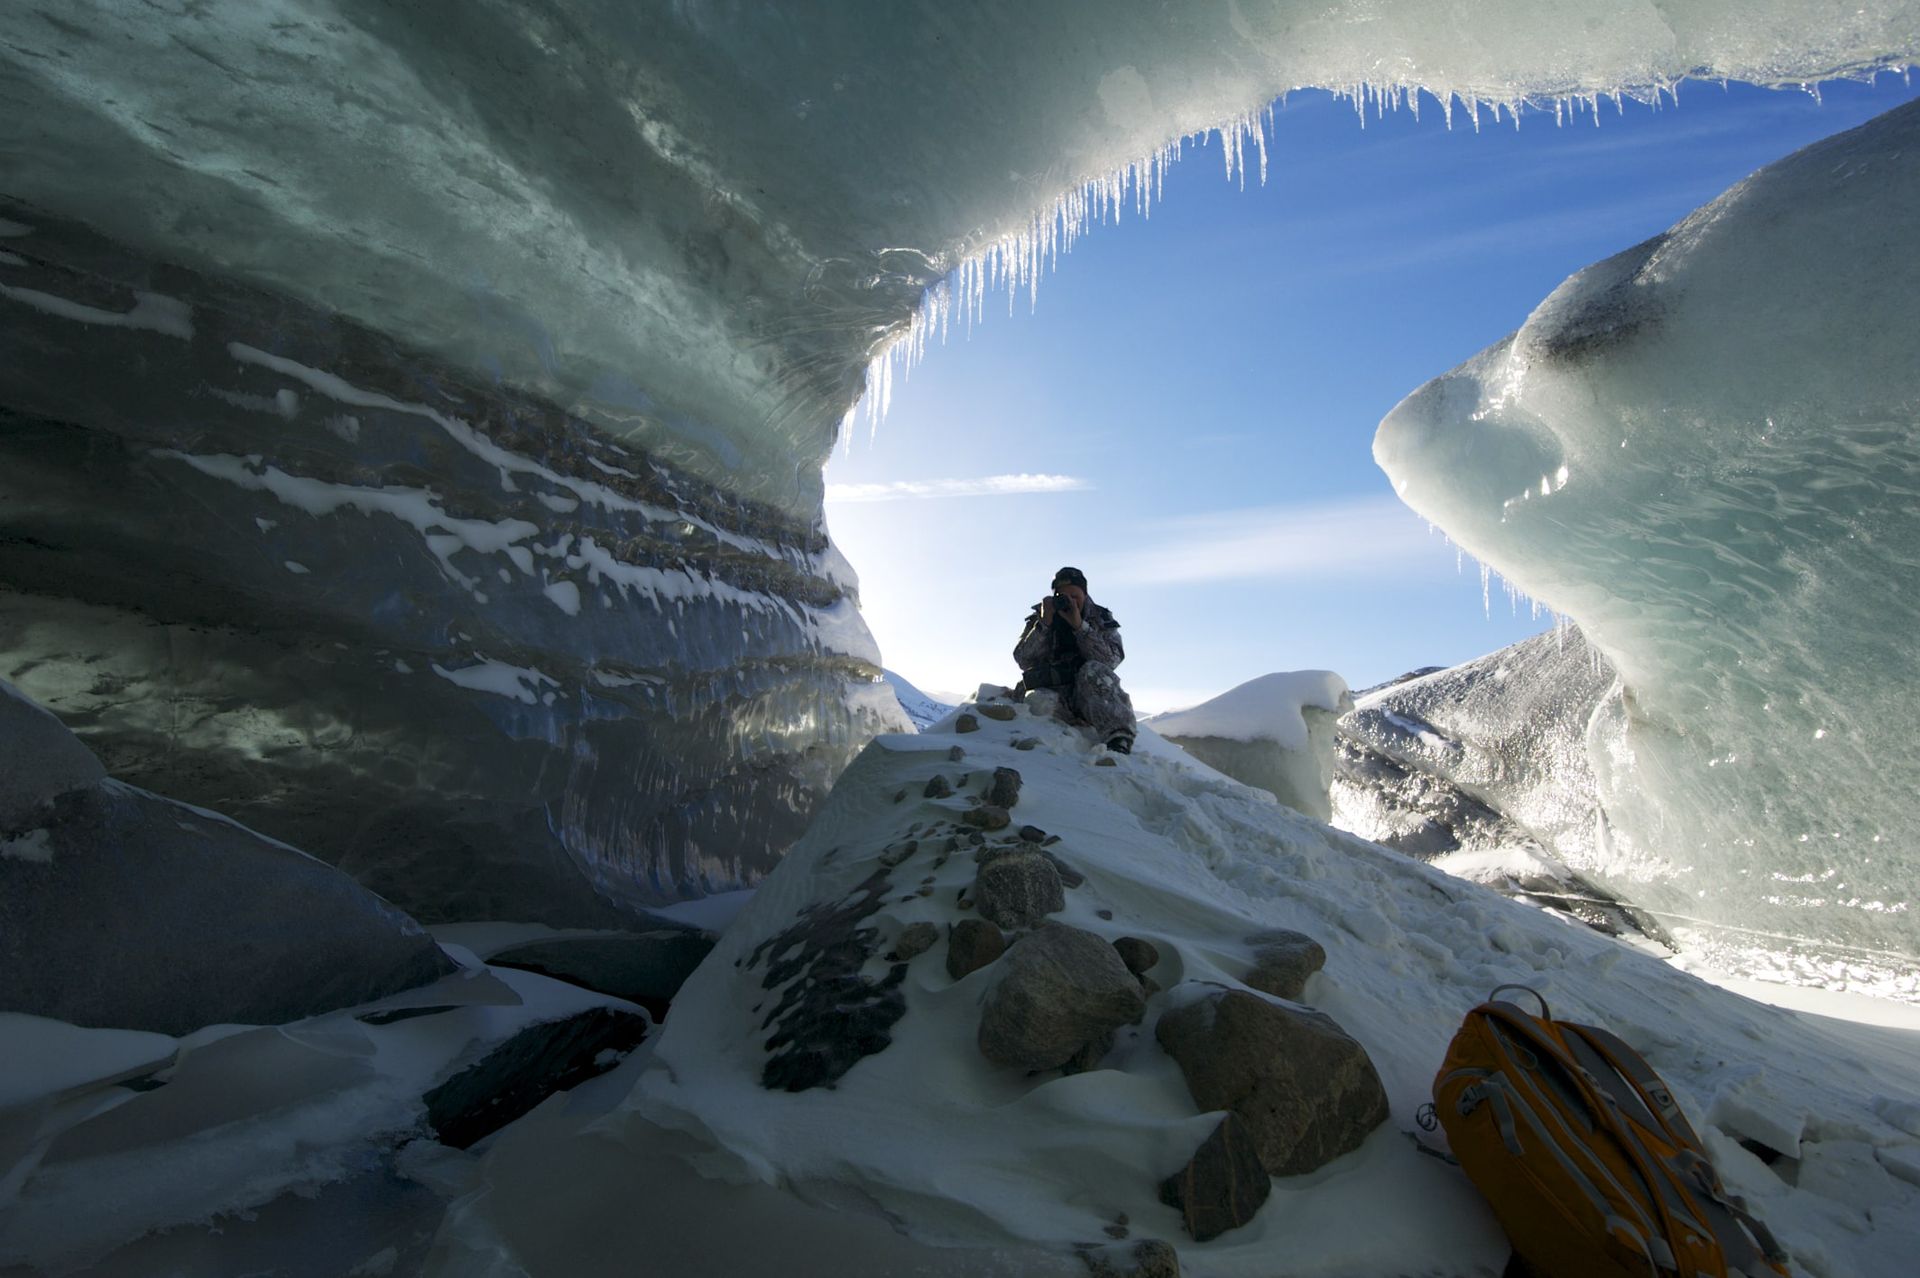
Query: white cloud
pixel 1370 535
pixel 989 486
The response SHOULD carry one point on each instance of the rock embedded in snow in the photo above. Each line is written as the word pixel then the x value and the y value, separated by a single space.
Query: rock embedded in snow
pixel 987 817
pixel 1222 1185
pixel 996 711
pixel 938 787
pixel 1139 955
pixel 966 723
pixel 1282 962
pixel 971 945
pixel 1017 889
pixel 1004 791
pixel 1062 989
pixel 1147 1258
pixel 914 940
pixel 1308 1090
pixel 39 761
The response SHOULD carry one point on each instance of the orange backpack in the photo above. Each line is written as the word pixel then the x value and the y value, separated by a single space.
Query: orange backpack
pixel 1590 1166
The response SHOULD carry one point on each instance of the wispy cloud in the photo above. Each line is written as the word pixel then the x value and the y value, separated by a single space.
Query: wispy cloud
pixel 1368 535
pixel 988 486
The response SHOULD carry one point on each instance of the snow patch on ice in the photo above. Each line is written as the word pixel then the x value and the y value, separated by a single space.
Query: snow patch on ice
pixel 1269 708
pixel 522 683
pixel 151 311
pixel 31 846
pixel 565 596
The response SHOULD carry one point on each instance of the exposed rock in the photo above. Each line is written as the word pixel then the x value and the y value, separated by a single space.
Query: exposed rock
pixel 1032 834
pixel 895 853
pixel 647 968
pixel 526 1069
pixel 1105 761
pixel 830 1016
pixel 1283 961
pixel 1147 1258
pixel 1090 1055
pixel 1222 1185
pixel 1308 1092
pixel 1139 955
pixel 938 787
pixel 966 723
pixel 956 753
pixel 129 911
pixel 1018 889
pixel 1003 714
pixel 1061 989
pixel 971 945
pixel 987 817
pixel 1043 703
pixel 1025 743
pixel 39 761
pixel 914 940
pixel 1004 792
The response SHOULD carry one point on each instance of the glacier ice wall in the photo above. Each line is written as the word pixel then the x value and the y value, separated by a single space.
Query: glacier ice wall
pixel 424 627
pixel 376 285
pixel 1706 450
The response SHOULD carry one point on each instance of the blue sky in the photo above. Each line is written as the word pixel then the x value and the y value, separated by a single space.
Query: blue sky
pixel 1202 388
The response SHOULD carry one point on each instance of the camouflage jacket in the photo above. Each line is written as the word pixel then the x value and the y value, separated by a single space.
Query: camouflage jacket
pixel 1041 644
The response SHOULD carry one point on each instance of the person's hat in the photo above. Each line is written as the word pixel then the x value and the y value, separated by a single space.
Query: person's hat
pixel 1072 576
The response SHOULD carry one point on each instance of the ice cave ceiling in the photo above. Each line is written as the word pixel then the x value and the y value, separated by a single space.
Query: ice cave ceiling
pixel 566 300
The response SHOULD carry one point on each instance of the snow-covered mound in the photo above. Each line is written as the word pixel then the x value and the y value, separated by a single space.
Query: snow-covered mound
pixel 1275 733
pixel 925 711
pixel 1703 451
pixel 826 1044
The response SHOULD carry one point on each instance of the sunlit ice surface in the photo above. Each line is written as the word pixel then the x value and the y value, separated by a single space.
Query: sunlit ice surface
pixel 1704 450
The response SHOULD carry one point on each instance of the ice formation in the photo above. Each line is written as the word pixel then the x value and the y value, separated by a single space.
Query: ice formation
pixel 473 366
pixel 1703 450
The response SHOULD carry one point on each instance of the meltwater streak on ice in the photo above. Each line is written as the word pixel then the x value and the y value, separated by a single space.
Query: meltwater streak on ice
pixel 1704 450
pixel 694 225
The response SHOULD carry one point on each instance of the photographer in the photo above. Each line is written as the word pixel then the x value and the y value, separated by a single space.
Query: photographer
pixel 1070 646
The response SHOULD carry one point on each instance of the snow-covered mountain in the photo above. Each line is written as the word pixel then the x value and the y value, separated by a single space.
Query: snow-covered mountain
pixel 924 710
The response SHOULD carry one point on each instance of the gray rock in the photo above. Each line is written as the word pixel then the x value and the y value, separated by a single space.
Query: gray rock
pixel 1061 989
pixel 956 754
pixel 966 723
pixel 1222 1185
pixel 1069 876
pixel 1139 955
pixel 1025 743
pixel 1032 834
pixel 1307 1090
pixel 540 1060
pixel 1105 761
pixel 938 787
pixel 971 945
pixel 1283 961
pixel 914 940
pixel 646 968
pixel 135 912
pixel 1018 889
pixel 1147 1258
pixel 1004 791
pixel 1000 713
pixel 39 761
pixel 987 817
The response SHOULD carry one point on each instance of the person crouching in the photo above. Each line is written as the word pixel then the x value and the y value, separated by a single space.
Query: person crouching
pixel 1070 646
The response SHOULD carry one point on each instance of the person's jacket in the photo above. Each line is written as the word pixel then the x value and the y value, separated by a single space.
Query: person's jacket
pixel 1056 652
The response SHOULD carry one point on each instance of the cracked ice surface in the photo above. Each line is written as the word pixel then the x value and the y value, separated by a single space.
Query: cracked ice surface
pixel 1706 450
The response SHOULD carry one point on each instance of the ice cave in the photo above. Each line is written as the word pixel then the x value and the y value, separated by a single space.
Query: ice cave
pixel 412 416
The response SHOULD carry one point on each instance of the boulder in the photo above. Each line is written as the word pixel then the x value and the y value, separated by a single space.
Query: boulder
pixel 1306 1089
pixel 1139 955
pixel 1282 962
pixel 1004 792
pixel 1062 989
pixel 39 761
pixel 647 968
pixel 938 787
pixel 121 909
pixel 987 817
pixel 1018 889
pixel 914 940
pixel 1000 713
pixel 1222 1185
pixel 966 723
pixel 971 945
